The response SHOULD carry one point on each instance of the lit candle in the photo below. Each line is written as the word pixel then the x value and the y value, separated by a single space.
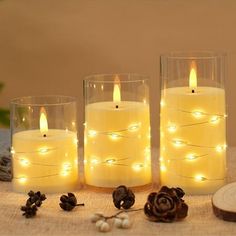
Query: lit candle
pixel 193 140
pixel 44 159
pixel 193 77
pixel 117 142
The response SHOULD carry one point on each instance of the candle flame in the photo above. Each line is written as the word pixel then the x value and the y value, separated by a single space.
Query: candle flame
pixel 43 123
pixel 193 76
pixel 116 90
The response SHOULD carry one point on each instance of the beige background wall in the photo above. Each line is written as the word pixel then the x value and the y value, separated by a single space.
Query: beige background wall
pixel 48 46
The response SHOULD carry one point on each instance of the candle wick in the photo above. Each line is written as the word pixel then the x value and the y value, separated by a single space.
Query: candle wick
pixel 44 135
pixel 117 106
pixel 193 91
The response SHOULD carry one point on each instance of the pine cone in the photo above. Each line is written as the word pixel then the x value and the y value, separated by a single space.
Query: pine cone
pixel 68 202
pixel 123 197
pixel 35 198
pixel 166 205
pixel 29 211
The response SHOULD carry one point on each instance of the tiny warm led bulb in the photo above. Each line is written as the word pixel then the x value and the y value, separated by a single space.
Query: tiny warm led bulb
pixel 162 103
pixel 215 119
pixel 24 162
pixel 137 167
pixel 191 157
pixel 172 128
pixel 163 168
pixel 200 178
pixel 110 161
pixel 94 161
pixel 134 127
pixel 43 150
pixel 65 172
pixel 197 114
pixel 12 151
pixel 92 133
pixel 67 166
pixel 221 148
pixel 178 143
pixel 22 179
pixel 114 136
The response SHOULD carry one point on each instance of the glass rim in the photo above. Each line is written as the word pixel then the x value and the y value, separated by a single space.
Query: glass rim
pixel 194 54
pixel 109 78
pixel 25 100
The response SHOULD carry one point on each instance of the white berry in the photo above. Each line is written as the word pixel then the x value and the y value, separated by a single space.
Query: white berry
pixel 95 217
pixel 126 224
pixel 104 227
pixel 99 223
pixel 118 222
pixel 124 216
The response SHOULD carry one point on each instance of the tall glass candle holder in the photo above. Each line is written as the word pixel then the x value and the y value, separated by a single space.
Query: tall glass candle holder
pixel 117 131
pixel 44 144
pixel 193 121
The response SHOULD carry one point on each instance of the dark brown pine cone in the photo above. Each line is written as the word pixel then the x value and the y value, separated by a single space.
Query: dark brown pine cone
pixel 123 197
pixel 34 201
pixel 35 198
pixel 29 211
pixel 166 205
pixel 69 202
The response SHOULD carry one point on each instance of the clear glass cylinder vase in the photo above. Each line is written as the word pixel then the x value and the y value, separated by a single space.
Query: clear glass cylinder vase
pixel 117 131
pixel 193 121
pixel 44 144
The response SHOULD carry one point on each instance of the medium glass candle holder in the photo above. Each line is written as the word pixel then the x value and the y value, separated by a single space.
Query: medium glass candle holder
pixel 193 121
pixel 44 144
pixel 117 131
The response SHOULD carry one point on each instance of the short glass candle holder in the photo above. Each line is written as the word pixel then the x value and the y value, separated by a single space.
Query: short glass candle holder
pixel 117 131
pixel 193 121
pixel 44 144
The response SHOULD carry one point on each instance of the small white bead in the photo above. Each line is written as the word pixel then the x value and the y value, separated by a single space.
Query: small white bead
pixel 126 224
pixel 124 216
pixel 95 217
pixel 104 227
pixel 118 222
pixel 99 223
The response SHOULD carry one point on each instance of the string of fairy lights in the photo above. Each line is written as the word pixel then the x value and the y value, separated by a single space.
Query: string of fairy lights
pixel 115 135
pixel 214 119
pixel 64 169
pixel 171 128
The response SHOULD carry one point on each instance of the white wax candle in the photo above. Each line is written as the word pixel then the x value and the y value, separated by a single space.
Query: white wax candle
pixel 48 164
pixel 117 144
pixel 193 139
